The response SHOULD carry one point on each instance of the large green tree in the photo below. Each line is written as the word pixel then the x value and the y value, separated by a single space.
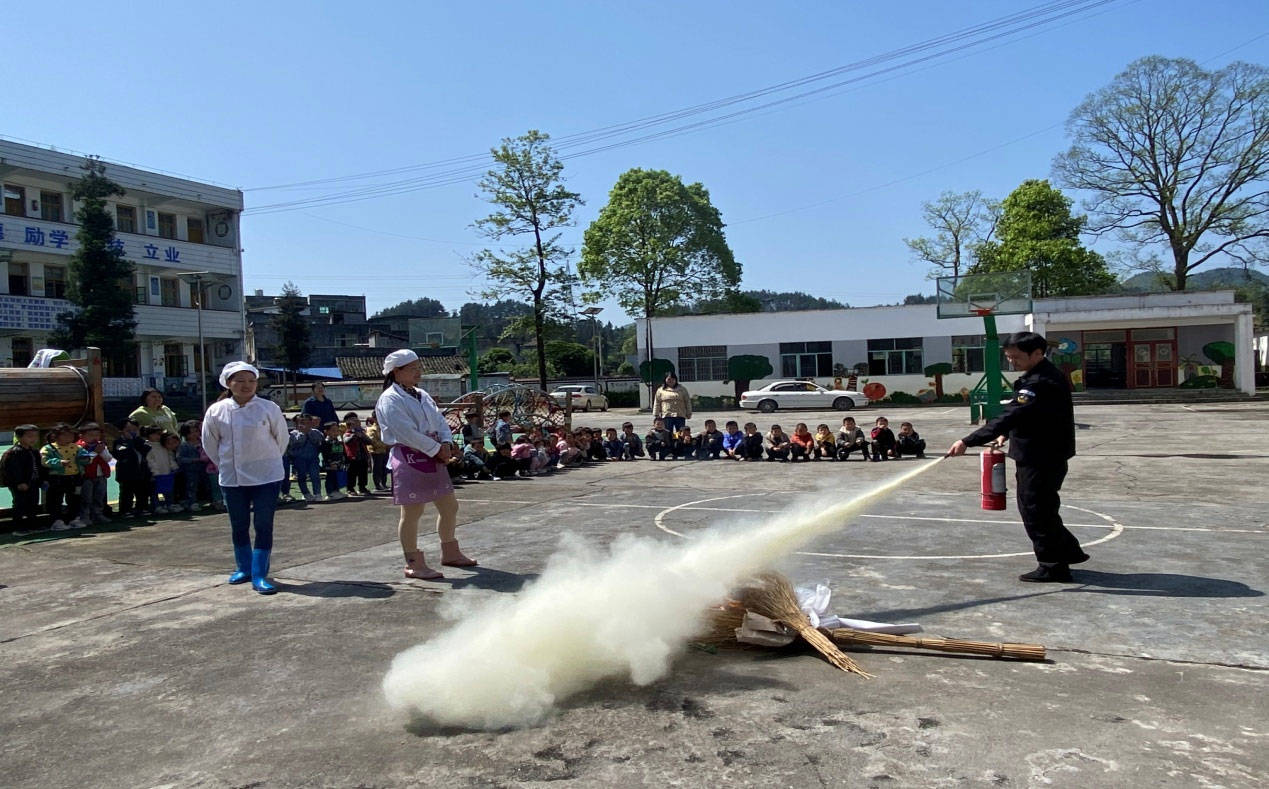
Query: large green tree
pixel 657 243
pixel 1038 233
pixel 101 278
pixel 295 338
pixel 527 186
pixel 1177 157
pixel 960 221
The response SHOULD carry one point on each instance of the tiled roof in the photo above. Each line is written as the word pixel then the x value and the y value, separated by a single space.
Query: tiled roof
pixel 360 368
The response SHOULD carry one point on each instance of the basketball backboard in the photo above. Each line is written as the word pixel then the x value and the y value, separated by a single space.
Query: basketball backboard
pixel 973 295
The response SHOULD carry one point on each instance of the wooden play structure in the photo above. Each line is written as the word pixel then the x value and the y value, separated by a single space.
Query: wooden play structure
pixel 69 391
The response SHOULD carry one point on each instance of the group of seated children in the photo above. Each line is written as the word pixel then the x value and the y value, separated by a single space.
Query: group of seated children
pixel 776 445
pixel 528 453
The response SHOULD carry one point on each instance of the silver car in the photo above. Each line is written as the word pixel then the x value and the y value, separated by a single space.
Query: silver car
pixel 584 396
pixel 801 394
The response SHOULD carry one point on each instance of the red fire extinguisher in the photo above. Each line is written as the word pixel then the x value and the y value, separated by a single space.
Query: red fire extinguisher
pixel 993 479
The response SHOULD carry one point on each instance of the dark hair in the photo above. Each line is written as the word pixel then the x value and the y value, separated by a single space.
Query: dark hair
pixel 503 413
pixel 905 424
pixel 59 428
pixel 149 392
pixel 328 425
pixel 501 447
pixel 352 415
pixel 166 435
pixel 186 428
pixel 150 430
pixel 1027 342
pixel 84 428
pixel 22 430
pixel 625 425
pixel 316 384
pixel 388 380
pixel 127 420
pixel 731 423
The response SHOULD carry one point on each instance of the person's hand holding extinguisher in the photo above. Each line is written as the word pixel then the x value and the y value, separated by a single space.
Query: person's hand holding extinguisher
pixel 959 447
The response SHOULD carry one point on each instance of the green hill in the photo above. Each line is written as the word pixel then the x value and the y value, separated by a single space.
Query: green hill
pixel 1212 279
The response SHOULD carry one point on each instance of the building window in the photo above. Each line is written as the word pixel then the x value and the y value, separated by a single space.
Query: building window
pixel 167 225
pixel 806 359
pixel 14 200
pixel 895 356
pixel 125 219
pixel 170 292
pixel 174 361
pixel 23 351
pixel 54 282
pixel 126 364
pixel 194 230
pixel 967 353
pixel 19 279
pixel 51 206
pixel 703 363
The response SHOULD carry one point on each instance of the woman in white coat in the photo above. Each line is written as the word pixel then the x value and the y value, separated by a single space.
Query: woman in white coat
pixel 245 436
pixel 415 428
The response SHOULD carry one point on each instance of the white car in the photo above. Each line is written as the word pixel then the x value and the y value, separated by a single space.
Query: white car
pixel 800 394
pixel 584 396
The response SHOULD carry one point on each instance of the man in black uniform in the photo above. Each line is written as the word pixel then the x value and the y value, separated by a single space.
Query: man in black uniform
pixel 1040 425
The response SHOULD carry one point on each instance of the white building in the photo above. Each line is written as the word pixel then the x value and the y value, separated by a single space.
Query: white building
pixel 165 225
pixel 1126 342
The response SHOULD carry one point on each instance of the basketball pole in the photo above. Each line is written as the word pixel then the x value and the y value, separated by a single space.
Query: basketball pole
pixel 991 367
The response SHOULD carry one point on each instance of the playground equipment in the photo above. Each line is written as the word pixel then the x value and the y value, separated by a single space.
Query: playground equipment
pixel 986 295
pixel 69 391
pixel 528 406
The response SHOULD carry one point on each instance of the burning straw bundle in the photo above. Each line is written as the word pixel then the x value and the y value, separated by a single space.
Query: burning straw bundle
pixel 772 596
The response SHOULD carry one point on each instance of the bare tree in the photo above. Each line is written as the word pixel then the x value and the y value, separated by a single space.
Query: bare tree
pixel 960 221
pixel 1176 156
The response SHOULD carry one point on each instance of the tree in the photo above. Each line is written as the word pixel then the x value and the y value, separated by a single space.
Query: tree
pixel 655 369
pixel 101 278
pixel 743 368
pixel 917 298
pixel 528 187
pixel 1037 233
pixel 414 308
pixel 937 371
pixel 1222 353
pixel 657 243
pixel 495 360
pixel 960 221
pixel 295 342
pixel 571 358
pixel 1175 155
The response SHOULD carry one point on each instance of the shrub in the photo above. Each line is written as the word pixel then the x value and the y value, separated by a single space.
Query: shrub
pixel 629 399
pixel 1201 382
pixel 902 398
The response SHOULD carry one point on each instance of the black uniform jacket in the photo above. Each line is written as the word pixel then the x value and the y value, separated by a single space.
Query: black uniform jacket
pixel 1039 421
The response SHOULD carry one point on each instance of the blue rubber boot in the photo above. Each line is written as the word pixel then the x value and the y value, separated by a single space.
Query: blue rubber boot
pixel 260 571
pixel 242 558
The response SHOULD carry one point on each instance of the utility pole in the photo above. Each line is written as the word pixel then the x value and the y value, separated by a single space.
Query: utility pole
pixel 594 325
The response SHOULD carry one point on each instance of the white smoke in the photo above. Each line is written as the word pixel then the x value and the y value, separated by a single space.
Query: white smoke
pixel 592 615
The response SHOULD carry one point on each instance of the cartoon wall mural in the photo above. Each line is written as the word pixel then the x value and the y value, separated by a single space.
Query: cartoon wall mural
pixel 1070 360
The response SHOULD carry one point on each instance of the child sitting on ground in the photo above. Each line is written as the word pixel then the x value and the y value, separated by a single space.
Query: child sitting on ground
pixel 709 444
pixel 522 454
pixel 542 461
pixel 685 444
pixel 92 492
pixel 851 439
pixel 732 440
pixel 825 443
pixel 567 453
pixel 659 441
pixel 501 464
pixel 476 459
pixel 63 462
pixel 613 446
pixel 631 444
pixel 751 444
pixel 596 450
pixel 883 442
pixel 779 444
pixel 802 443
pixel 908 442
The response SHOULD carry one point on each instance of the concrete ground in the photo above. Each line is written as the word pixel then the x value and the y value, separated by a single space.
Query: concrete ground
pixel 127 661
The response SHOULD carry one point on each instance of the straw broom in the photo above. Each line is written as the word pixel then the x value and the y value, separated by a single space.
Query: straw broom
pixel 772 596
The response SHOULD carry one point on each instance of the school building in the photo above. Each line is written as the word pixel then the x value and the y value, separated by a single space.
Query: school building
pixel 1147 341
pixel 182 236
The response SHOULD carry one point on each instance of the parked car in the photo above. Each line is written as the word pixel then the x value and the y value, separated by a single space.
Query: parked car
pixel 584 396
pixel 800 394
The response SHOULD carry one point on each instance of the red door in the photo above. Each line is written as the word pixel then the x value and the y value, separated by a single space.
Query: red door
pixel 1153 364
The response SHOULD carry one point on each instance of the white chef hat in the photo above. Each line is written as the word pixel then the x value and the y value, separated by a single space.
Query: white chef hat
pixel 398 359
pixel 236 367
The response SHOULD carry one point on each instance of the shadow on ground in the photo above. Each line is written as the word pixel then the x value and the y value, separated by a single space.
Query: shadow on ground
pixel 488 578
pixel 366 589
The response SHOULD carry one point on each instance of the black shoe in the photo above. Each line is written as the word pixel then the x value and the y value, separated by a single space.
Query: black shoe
pixel 1048 574
pixel 1083 557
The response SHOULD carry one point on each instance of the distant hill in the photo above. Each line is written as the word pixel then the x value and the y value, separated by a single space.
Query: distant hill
pixel 1211 279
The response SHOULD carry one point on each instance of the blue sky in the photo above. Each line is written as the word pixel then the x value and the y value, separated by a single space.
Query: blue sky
pixel 817 194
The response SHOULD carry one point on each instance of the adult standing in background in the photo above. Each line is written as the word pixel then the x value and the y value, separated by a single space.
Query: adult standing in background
pixel 415 428
pixel 152 413
pixel 320 406
pixel 1040 425
pixel 673 404
pixel 246 436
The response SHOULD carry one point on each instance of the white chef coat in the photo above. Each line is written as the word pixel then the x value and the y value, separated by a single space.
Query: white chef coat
pixel 407 420
pixel 246 442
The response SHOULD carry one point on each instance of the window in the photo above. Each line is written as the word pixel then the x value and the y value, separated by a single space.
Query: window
pixel 14 200
pixel 125 364
pixel 54 282
pixel 967 353
pixel 51 206
pixel 19 279
pixel 167 225
pixel 194 230
pixel 896 356
pixel 170 292
pixel 703 363
pixel 125 219
pixel 23 351
pixel 806 359
pixel 174 361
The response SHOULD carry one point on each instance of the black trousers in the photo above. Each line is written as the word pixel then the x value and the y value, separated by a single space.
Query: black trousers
pixel 1038 503
pixel 358 470
pixel 134 495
